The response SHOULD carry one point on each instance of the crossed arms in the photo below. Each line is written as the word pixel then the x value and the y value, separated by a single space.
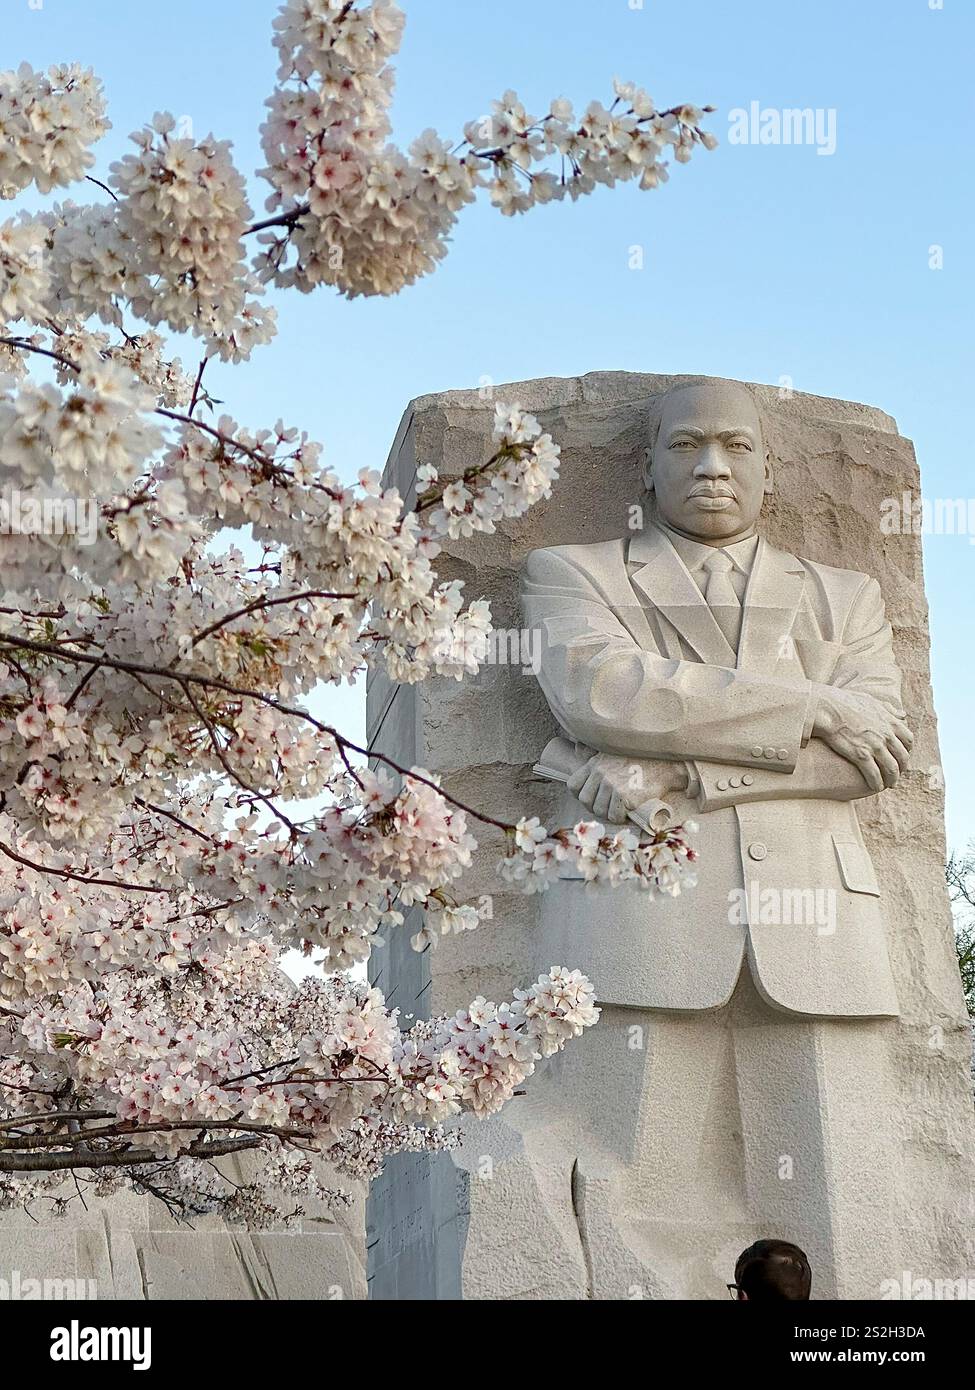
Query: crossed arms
pixel 724 734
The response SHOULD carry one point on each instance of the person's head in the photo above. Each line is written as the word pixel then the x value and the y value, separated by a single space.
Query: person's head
pixel 707 463
pixel 772 1271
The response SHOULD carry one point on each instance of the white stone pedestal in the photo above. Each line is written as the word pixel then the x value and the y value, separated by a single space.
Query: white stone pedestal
pixel 128 1247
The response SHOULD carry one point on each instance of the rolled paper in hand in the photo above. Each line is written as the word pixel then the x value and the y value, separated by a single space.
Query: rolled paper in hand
pixel 652 815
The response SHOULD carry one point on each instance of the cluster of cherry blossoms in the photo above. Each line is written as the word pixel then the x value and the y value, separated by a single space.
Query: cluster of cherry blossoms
pixel 359 214
pixel 173 817
pixel 523 469
pixel 662 864
pixel 476 1059
pixel 47 124
pixel 146 1068
pixel 24 279
pixel 184 208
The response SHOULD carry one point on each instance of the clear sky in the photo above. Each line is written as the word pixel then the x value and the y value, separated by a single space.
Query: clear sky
pixel 760 261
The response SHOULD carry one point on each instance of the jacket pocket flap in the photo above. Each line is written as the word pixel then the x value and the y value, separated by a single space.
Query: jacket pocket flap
pixel 856 870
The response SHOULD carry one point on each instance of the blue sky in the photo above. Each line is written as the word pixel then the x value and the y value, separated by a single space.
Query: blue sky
pixel 760 261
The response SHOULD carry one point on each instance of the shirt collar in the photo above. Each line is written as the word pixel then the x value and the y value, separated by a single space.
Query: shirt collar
pixel 694 553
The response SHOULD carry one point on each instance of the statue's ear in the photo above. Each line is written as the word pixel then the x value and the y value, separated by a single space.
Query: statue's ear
pixel 648 467
pixel 769 477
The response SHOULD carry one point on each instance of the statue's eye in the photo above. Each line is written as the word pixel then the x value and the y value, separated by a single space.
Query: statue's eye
pixel 740 444
pixel 682 444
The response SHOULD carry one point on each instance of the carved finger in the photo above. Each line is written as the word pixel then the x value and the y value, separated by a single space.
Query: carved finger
pixel 617 809
pixel 899 751
pixel 578 778
pixel 871 772
pixel 888 765
pixel 589 788
pixel 903 733
pixel 600 803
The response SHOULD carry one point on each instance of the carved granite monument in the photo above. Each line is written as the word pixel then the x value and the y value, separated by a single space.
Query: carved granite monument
pixel 783 1049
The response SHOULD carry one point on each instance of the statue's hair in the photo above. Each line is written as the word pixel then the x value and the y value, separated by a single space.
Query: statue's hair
pixel 656 413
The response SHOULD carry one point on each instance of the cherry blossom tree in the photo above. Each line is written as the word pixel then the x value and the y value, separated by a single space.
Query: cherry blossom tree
pixel 156 735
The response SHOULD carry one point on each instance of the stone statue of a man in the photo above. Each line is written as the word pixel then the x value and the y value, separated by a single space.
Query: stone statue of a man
pixel 692 663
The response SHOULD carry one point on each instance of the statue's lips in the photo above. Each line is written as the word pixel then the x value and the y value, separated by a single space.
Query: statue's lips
pixel 709 503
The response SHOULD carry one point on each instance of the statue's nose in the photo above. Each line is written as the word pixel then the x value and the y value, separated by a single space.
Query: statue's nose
pixel 712 463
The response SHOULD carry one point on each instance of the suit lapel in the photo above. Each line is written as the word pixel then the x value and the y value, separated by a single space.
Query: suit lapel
pixel 610 579
pixel 771 600
pixel 664 580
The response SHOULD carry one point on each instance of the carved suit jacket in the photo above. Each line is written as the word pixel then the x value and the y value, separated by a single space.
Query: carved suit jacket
pixel 633 663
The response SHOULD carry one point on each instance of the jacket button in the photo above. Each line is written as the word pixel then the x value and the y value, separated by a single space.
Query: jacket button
pixel 722 786
pixel 758 751
pixel 758 850
pixel 747 779
pixel 783 755
pixel 771 753
pixel 734 781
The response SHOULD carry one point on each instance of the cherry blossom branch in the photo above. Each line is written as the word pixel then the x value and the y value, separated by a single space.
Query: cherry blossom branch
pixel 266 602
pixel 196 385
pixel 179 417
pixel 126 1131
pixel 215 682
pixel 77 876
pixel 125 1158
pixel 224 761
pixel 61 1116
pixel 177 820
pixel 282 219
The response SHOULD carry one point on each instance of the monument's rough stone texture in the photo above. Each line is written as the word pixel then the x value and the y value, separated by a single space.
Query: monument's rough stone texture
pixel 129 1248
pixel 523 1208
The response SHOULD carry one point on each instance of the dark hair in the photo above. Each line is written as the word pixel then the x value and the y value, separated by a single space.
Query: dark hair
pixel 773 1271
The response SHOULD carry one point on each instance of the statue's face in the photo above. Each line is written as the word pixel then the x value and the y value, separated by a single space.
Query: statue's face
pixel 709 467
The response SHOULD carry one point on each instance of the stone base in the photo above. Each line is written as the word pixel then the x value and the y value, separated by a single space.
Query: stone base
pixel 692 1135
pixel 128 1247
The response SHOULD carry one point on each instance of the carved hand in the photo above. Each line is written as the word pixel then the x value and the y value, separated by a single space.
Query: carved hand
pixel 865 732
pixel 610 786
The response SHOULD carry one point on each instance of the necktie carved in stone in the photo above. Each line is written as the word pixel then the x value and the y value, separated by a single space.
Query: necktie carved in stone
pixel 720 596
